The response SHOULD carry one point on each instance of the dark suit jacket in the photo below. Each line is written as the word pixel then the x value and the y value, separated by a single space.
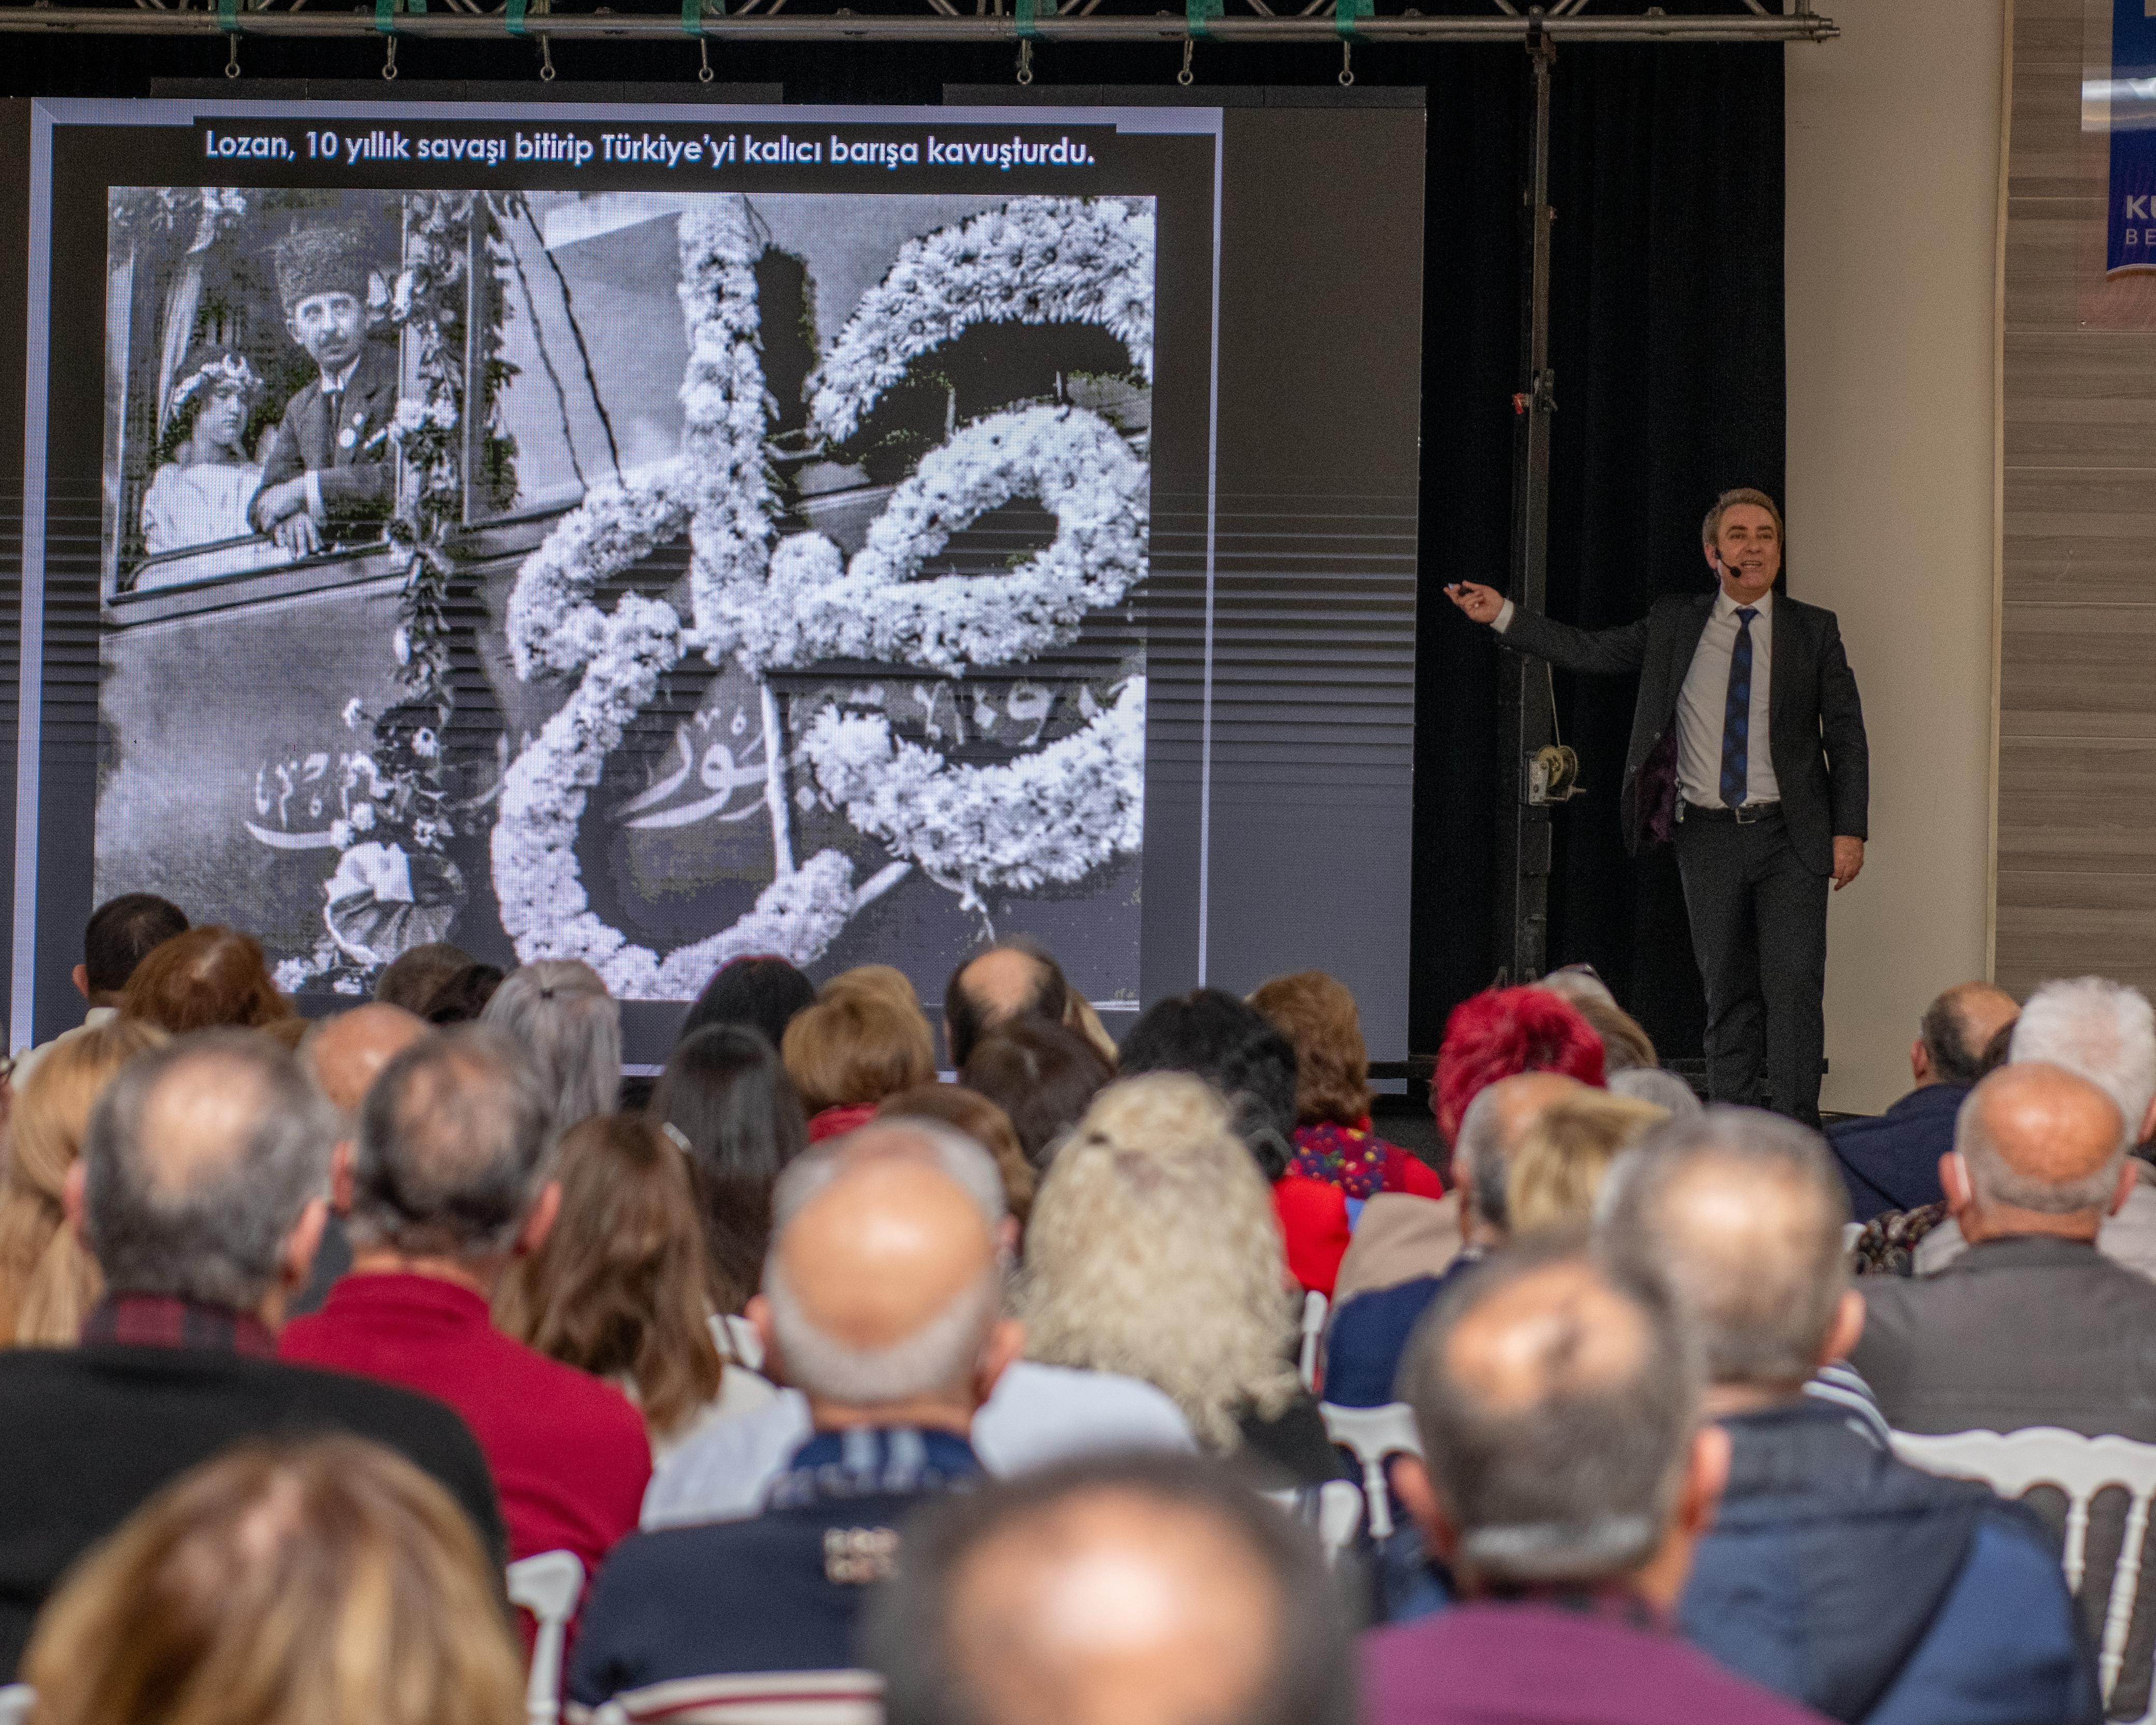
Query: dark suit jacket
pixel 1816 722
pixel 88 1433
pixel 2031 1331
pixel 358 479
pixel 1891 1161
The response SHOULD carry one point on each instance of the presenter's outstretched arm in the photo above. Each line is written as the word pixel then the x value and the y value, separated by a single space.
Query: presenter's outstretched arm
pixel 1597 652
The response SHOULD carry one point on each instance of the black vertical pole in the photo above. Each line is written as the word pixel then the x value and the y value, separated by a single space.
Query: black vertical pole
pixel 1526 721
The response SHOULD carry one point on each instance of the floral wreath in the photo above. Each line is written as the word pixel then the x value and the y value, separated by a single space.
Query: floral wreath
pixel 231 368
pixel 1051 815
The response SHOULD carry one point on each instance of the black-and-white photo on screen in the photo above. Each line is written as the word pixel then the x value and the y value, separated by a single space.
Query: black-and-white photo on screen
pixel 644 578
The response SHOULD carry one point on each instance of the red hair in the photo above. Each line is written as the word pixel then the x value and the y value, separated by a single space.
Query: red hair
pixel 1502 1032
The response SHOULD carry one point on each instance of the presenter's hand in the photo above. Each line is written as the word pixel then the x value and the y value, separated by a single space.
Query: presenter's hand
pixel 1848 860
pixel 1481 602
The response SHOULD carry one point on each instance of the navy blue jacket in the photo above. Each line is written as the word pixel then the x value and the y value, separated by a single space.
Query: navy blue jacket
pixel 1874 1592
pixel 1891 1161
pixel 1370 1334
pixel 780 1592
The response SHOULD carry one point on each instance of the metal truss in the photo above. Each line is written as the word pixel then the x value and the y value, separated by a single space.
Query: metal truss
pixel 1224 21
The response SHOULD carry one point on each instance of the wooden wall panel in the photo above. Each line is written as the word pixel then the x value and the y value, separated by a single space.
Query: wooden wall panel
pixel 2076 839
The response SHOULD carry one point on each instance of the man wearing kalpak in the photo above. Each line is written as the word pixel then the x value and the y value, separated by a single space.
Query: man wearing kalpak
pixel 328 468
pixel 1748 752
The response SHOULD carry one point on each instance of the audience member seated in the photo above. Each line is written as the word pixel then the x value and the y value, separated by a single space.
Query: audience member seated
pixel 1626 1047
pixel 617 1288
pixel 326 1580
pixel 1014 978
pixel 203 980
pixel 1042 1074
pixel 1153 1253
pixel 883 1305
pixel 450 1183
pixel 726 1093
pixel 344 1054
pixel 761 992
pixel 568 1028
pixel 1369 1333
pixel 121 933
pixel 980 1119
pixel 415 976
pixel 2106 1032
pixel 1835 1574
pixel 1501 1032
pixel 462 996
pixel 1568 1481
pixel 199 1192
pixel 1891 1162
pixel 855 1045
pixel 1235 1048
pixel 48 1282
pixel 1143 1592
pixel 1664 1089
pixel 1036 1415
pixel 1555 1171
pixel 1333 1139
pixel 2031 1326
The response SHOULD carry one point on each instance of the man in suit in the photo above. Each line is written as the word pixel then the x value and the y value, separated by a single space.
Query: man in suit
pixel 1747 749
pixel 1891 1161
pixel 328 468
pixel 201 1192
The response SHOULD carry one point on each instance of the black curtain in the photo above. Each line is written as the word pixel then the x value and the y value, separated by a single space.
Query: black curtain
pixel 1666 338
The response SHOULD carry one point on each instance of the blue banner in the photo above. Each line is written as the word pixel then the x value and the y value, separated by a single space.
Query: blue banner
pixel 2131 211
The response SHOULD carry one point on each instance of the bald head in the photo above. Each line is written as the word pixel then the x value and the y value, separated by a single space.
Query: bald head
pixel 198 1161
pixel 1958 1027
pixel 1555 1392
pixel 886 1276
pixel 1744 1212
pixel 1491 1130
pixel 1006 982
pixel 1138 1591
pixel 1114 1610
pixel 346 1053
pixel 2037 1138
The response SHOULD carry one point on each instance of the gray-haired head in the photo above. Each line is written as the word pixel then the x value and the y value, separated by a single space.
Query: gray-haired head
pixel 1491 1130
pixel 198 1161
pixel 1556 1391
pixel 833 1320
pixel 1660 1085
pixel 1742 1211
pixel 2036 1136
pixel 2105 1031
pixel 454 1145
pixel 559 1012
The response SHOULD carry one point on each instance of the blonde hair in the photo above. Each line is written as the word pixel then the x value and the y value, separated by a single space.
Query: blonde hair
pixel 328 1582
pixel 1556 1173
pixel 1152 1251
pixel 858 1043
pixel 48 1281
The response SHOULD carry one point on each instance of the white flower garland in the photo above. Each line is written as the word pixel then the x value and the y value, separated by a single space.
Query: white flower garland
pixel 1072 460
pixel 1055 814
pixel 1035 260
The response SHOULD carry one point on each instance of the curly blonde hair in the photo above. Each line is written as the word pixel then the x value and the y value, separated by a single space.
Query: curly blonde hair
pixel 1152 1251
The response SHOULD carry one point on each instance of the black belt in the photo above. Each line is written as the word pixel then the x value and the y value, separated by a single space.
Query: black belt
pixel 1749 815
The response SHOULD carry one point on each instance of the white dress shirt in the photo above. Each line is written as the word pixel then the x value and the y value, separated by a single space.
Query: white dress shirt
pixel 1705 695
